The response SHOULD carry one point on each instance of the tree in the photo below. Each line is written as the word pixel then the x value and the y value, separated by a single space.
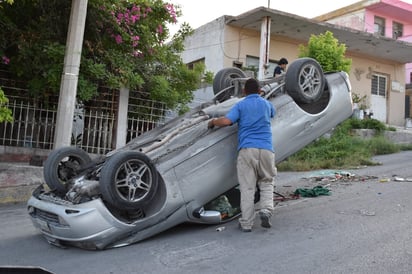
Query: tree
pixel 325 48
pixel 5 113
pixel 125 45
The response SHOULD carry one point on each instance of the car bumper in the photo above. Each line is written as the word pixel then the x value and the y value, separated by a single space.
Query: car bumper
pixel 89 224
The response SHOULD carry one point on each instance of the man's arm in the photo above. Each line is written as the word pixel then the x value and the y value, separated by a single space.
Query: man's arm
pixel 219 122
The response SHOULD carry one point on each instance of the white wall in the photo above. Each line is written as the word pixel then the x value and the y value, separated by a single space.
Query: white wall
pixel 206 42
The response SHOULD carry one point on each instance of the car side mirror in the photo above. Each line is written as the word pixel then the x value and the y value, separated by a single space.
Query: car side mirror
pixel 208 216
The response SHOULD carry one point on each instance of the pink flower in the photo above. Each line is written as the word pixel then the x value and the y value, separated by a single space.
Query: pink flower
pixel 159 29
pixel 138 53
pixel 135 18
pixel 5 60
pixel 135 40
pixel 118 39
pixel 135 8
pixel 119 18
pixel 171 9
pixel 147 11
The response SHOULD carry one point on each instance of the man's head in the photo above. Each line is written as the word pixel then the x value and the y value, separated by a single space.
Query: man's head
pixel 283 61
pixel 251 86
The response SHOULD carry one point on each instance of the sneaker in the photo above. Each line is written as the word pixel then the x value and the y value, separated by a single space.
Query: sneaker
pixel 265 219
pixel 244 229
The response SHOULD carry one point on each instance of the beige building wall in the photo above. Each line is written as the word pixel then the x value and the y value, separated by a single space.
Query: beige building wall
pixel 240 43
pixel 361 75
pixel 221 45
pixel 354 20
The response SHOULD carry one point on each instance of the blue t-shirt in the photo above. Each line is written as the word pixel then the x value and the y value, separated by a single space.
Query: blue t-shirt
pixel 253 115
pixel 278 70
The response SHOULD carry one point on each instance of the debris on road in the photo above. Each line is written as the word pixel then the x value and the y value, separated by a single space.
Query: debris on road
pixel 338 175
pixel 365 212
pixel 400 179
pixel 314 192
pixel 325 179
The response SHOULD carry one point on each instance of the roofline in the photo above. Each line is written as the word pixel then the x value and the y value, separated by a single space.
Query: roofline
pixel 301 28
pixel 345 10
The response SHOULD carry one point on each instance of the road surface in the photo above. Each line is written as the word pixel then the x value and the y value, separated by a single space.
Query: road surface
pixel 364 226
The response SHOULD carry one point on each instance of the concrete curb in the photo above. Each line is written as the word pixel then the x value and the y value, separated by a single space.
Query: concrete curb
pixel 400 136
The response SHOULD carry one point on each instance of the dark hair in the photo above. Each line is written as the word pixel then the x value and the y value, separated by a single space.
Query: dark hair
pixel 251 86
pixel 283 61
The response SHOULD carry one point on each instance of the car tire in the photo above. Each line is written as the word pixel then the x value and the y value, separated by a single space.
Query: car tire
pixel 224 79
pixel 305 81
pixel 128 180
pixel 62 165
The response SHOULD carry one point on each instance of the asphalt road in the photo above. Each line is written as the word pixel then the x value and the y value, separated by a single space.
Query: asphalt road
pixel 364 226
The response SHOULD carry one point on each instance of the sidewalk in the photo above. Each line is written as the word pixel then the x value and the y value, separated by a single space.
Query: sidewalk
pixel 18 180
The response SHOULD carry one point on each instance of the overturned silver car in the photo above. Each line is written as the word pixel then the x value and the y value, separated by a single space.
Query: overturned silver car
pixel 175 173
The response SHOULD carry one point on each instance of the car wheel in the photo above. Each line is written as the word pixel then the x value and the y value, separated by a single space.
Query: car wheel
pixel 128 180
pixel 305 81
pixel 62 165
pixel 224 79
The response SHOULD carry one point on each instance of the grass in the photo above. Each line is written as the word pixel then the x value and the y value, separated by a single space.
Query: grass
pixel 343 149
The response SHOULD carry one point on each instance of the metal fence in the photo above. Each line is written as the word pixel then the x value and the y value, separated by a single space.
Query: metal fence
pixel 94 125
pixel 32 126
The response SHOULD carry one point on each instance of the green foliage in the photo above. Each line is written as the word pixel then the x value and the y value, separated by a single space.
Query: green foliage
pixel 342 149
pixel 5 113
pixel 405 147
pixel 377 125
pixel 7 1
pixel 379 145
pixel 361 100
pixel 325 48
pixel 125 45
pixel 45 75
pixel 208 77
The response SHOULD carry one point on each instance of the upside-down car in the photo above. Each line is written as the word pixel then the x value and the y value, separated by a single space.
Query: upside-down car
pixel 176 172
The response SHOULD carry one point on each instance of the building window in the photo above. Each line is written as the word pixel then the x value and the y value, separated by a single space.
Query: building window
pixel 397 30
pixel 378 85
pixel 252 64
pixel 379 26
pixel 192 64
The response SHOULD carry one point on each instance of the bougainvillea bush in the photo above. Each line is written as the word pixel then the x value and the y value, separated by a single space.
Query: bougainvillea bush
pixel 126 44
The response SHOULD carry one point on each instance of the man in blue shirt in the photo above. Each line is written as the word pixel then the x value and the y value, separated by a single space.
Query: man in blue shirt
pixel 256 156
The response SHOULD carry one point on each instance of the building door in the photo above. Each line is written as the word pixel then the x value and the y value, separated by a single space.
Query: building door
pixel 379 88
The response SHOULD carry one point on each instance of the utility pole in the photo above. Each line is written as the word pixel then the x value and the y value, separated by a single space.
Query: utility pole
pixel 68 86
pixel 264 47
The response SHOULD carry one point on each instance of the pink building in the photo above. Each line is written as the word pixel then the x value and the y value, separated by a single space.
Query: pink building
pixel 389 18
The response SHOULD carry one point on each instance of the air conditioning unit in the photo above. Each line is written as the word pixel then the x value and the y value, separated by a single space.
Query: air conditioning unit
pixel 396 86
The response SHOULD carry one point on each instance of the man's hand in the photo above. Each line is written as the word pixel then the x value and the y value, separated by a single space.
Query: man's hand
pixel 211 124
